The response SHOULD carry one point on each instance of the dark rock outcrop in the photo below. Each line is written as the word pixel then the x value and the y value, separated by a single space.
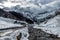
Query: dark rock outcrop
pixel 7 14
pixel 38 34
pixel 14 15
pixel 21 17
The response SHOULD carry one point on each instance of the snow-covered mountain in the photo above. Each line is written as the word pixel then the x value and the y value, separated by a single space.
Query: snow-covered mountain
pixel 35 10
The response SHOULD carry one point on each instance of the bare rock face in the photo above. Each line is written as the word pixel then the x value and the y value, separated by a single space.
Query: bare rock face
pixel 7 14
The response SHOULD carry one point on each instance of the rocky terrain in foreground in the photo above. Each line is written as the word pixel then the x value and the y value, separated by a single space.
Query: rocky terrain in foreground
pixel 38 34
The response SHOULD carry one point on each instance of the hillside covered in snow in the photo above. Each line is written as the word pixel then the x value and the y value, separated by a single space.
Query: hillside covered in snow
pixel 36 10
pixel 37 14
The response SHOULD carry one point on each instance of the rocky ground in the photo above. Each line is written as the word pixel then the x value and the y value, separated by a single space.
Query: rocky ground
pixel 38 34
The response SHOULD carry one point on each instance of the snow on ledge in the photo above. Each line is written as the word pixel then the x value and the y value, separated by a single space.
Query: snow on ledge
pixel 8 23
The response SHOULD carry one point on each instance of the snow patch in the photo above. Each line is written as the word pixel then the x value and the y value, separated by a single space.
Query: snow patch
pixel 8 23
pixel 52 26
